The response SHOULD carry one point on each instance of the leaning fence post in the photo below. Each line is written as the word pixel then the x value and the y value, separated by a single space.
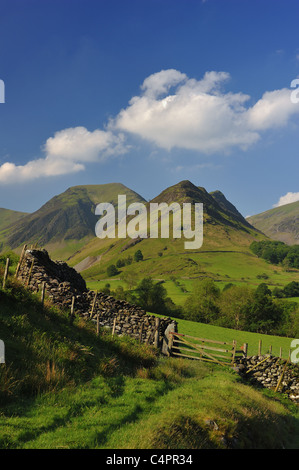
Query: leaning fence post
pixel 5 273
pixel 72 309
pixel 43 293
pixel 20 261
pixel 114 325
pixel 98 324
pixel 94 304
pixel 234 351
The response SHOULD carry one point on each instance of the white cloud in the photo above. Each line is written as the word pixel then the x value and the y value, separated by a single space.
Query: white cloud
pixel 66 152
pixel 273 110
pixel 197 115
pixel 171 111
pixel 287 199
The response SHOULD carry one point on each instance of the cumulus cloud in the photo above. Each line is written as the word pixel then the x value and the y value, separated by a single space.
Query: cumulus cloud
pixel 287 199
pixel 198 115
pixel 66 152
pixel 171 111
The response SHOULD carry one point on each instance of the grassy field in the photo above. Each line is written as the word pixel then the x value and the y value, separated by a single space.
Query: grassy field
pixel 64 387
pixel 219 333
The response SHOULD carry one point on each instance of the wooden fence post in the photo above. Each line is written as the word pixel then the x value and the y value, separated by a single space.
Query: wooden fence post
pixel 234 351
pixel 260 348
pixel 94 304
pixel 43 293
pixel 5 273
pixel 98 324
pixel 20 261
pixel 156 340
pixel 170 344
pixel 114 325
pixel 72 309
pixel 245 349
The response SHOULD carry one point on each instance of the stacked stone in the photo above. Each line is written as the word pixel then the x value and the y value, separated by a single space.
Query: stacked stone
pixel 267 371
pixel 63 283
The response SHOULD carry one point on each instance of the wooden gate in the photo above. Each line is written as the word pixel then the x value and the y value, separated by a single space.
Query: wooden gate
pixel 220 352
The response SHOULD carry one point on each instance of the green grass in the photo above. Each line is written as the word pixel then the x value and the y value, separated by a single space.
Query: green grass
pixel 64 387
pixel 202 330
pixel 169 407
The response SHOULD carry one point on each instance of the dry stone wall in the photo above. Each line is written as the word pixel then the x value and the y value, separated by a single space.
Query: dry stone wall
pixel 270 371
pixel 63 283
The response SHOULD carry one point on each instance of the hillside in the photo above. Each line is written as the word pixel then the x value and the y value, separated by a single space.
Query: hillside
pixel 64 387
pixel 7 218
pixel 280 223
pixel 226 233
pixel 67 221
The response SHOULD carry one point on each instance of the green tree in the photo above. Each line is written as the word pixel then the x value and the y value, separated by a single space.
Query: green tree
pixel 233 303
pixel 151 295
pixel 263 315
pixel 138 256
pixel 112 270
pixel 202 304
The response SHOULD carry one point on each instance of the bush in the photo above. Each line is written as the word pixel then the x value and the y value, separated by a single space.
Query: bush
pixel 112 270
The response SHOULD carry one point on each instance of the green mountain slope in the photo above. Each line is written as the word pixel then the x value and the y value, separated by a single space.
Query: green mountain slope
pixel 7 218
pixel 280 223
pixel 227 236
pixel 67 221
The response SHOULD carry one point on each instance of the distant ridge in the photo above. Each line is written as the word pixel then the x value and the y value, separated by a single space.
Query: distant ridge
pixel 280 223
pixel 65 225
pixel 69 216
pixel 217 208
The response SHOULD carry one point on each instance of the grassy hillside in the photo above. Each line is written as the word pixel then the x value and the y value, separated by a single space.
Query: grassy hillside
pixel 225 234
pixel 64 387
pixel 67 222
pixel 7 218
pixel 280 223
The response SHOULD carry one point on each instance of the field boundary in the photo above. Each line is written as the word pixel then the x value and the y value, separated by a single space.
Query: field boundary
pixel 204 349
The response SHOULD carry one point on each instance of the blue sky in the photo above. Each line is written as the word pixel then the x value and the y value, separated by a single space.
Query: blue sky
pixel 149 93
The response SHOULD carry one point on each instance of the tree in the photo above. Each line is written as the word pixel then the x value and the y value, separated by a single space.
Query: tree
pixel 112 270
pixel 263 315
pixel 151 295
pixel 138 256
pixel 233 304
pixel 201 305
pixel 130 279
